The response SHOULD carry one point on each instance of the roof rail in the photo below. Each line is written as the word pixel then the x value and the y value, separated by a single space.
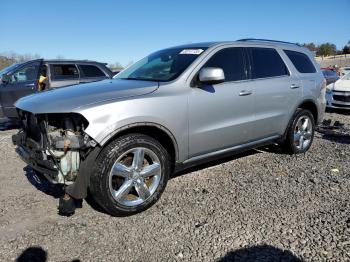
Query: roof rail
pixel 267 40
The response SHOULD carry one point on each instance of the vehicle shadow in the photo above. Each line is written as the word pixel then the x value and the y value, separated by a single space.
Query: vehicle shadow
pixel 213 162
pixel 260 253
pixel 336 132
pixel 40 182
pixel 35 254
pixel 341 139
pixel 338 111
pixel 274 149
pixel 6 124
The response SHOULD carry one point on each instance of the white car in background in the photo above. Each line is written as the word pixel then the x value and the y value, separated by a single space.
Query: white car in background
pixel 338 93
pixel 344 70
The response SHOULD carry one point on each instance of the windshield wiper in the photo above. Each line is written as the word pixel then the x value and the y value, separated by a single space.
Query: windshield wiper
pixel 138 78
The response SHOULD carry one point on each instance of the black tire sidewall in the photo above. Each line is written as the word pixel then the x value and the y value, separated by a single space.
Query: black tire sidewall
pixel 106 160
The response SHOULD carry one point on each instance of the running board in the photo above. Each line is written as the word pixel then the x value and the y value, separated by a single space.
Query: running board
pixel 238 148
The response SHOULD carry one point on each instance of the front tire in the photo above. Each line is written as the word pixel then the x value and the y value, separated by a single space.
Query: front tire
pixel 130 174
pixel 300 133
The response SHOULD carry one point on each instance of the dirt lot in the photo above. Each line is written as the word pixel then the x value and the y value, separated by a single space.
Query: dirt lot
pixel 340 61
pixel 260 205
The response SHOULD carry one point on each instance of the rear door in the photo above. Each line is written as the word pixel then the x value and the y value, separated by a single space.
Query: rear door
pixel 23 82
pixel 311 79
pixel 63 75
pixel 91 73
pixel 276 91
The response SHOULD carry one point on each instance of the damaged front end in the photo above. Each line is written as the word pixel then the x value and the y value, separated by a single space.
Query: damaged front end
pixel 54 144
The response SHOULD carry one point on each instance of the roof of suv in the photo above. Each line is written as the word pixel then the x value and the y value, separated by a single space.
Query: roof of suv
pixel 53 61
pixel 252 41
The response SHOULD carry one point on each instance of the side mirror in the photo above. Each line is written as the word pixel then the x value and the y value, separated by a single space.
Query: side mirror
pixel 211 75
pixel 5 79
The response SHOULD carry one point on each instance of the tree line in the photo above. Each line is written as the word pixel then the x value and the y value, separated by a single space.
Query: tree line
pixel 9 58
pixel 327 49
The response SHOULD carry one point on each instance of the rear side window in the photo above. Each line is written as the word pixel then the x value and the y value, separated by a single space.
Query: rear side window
pixel 65 72
pixel 231 60
pixel 91 71
pixel 301 61
pixel 266 62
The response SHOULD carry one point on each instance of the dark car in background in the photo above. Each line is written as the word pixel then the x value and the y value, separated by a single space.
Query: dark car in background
pixel 19 80
pixel 331 76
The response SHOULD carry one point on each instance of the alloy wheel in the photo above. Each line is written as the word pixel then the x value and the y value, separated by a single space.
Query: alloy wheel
pixel 303 132
pixel 135 176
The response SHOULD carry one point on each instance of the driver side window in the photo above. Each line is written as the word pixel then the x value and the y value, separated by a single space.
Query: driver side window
pixel 24 74
pixel 231 61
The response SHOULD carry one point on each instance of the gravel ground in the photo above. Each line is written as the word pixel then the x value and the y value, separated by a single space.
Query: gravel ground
pixel 260 205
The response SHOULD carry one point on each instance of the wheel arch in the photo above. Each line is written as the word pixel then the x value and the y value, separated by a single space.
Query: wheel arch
pixel 311 106
pixel 306 104
pixel 154 130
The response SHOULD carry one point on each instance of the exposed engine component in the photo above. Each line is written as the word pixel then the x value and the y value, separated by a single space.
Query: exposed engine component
pixel 68 155
pixel 59 147
pixel 66 141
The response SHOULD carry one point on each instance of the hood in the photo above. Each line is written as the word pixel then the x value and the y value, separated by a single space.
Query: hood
pixel 67 99
pixel 342 85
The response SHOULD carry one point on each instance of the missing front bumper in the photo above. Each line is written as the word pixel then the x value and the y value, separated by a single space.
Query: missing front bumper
pixel 31 156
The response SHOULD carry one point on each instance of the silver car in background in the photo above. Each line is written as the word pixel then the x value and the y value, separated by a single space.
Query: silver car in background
pixel 121 139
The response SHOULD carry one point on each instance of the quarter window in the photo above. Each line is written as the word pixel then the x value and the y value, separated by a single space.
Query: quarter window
pixel 231 60
pixel 301 61
pixel 91 71
pixel 266 62
pixel 65 72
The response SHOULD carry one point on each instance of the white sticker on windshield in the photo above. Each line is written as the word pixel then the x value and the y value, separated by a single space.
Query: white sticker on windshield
pixel 191 52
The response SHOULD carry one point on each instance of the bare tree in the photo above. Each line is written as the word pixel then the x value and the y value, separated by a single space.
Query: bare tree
pixel 311 46
pixel 9 58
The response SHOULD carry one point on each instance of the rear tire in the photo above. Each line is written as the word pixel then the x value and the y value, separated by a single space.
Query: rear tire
pixel 300 133
pixel 130 174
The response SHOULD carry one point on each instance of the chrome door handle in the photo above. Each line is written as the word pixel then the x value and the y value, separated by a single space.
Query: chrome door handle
pixel 294 86
pixel 245 93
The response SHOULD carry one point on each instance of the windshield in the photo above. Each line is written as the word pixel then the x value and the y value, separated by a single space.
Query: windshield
pixel 8 69
pixel 346 77
pixel 162 66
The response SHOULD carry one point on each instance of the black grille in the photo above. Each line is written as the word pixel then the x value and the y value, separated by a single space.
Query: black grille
pixel 341 98
pixel 340 105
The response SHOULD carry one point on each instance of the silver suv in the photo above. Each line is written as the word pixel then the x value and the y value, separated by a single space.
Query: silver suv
pixel 121 139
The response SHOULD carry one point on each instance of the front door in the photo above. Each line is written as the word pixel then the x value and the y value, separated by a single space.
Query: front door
pixel 222 115
pixel 23 82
